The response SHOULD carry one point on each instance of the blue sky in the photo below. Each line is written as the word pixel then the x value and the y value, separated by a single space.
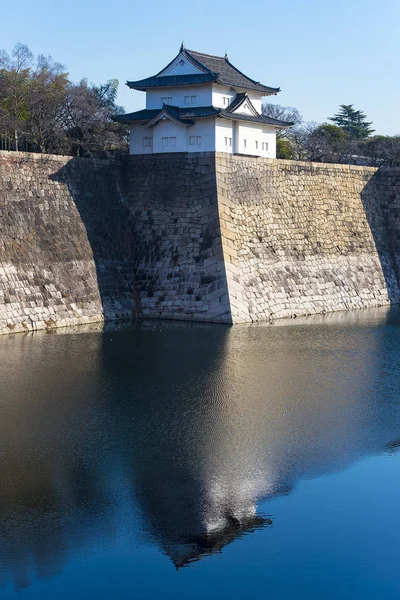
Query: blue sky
pixel 321 53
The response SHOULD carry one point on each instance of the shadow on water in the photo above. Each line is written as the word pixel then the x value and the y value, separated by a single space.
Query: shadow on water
pixel 95 189
pixel 171 434
pixel 377 203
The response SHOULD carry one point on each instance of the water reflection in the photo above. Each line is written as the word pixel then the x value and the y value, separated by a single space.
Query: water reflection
pixel 171 434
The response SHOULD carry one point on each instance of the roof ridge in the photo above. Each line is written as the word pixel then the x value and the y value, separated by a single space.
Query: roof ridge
pixel 205 54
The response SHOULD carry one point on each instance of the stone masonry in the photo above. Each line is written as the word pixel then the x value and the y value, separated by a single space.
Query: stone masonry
pixel 304 238
pixel 203 237
pixel 64 259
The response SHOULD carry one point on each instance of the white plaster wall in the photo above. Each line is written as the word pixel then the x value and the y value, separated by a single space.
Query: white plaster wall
pixel 177 69
pixel 270 137
pixel 218 92
pixel 137 133
pixel 203 95
pixel 169 129
pixel 223 128
pixel 206 129
pixel 252 133
pixel 212 132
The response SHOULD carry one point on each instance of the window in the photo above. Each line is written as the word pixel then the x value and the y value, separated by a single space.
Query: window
pixel 192 140
pixel 225 100
pixel 147 142
pixel 199 140
pixel 166 100
pixel 228 142
pixel 256 145
pixel 265 146
pixel 193 99
pixel 187 99
pixel 190 99
pixel 168 141
pixel 244 143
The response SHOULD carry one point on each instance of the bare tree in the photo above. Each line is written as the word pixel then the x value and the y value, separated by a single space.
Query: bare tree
pixel 42 111
pixel 14 90
pixel 282 113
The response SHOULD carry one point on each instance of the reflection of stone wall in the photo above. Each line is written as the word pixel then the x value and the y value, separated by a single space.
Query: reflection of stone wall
pixel 206 237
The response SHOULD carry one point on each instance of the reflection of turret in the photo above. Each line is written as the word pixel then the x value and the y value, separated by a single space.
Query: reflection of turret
pixel 213 542
pixel 188 427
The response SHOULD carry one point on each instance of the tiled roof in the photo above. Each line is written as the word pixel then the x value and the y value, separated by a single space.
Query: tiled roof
pixel 171 81
pixel 185 115
pixel 226 114
pixel 227 74
pixel 214 68
pixel 140 115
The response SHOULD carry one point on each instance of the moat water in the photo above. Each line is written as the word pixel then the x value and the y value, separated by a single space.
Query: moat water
pixel 191 462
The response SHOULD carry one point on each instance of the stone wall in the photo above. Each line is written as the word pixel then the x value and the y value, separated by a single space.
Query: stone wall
pixel 206 237
pixel 303 238
pixel 179 266
pixel 64 256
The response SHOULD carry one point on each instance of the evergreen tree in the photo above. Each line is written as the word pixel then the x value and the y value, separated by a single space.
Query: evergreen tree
pixel 353 122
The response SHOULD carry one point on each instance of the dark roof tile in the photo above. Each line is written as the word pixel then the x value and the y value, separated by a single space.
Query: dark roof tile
pixel 214 68
pixel 198 112
pixel 228 74
pixel 170 81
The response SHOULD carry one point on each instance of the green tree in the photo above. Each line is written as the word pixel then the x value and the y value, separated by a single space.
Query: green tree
pixel 382 150
pixel 353 122
pixel 284 149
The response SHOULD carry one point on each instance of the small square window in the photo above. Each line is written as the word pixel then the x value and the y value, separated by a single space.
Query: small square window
pixel 172 141
pixel 199 140
pixel 165 141
pixel 192 140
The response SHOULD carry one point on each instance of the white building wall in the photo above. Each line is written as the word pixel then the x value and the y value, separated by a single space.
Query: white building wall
pixel 137 145
pixel 201 93
pixel 204 129
pixel 256 140
pixel 224 129
pixel 169 137
pixel 220 92
pixel 208 135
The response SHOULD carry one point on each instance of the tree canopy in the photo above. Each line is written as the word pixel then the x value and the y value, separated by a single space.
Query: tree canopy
pixel 353 122
pixel 41 110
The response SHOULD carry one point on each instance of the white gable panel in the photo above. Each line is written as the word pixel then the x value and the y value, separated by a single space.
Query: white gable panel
pixel 244 109
pixel 181 66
